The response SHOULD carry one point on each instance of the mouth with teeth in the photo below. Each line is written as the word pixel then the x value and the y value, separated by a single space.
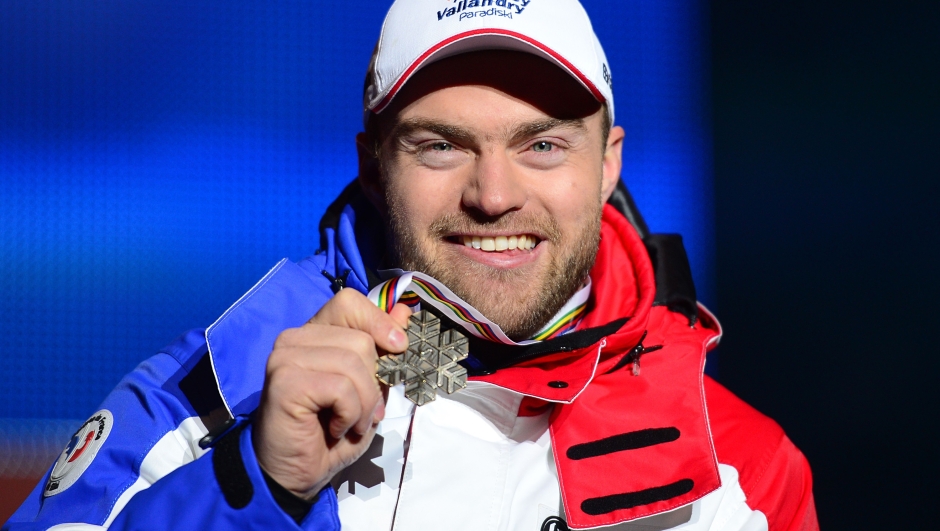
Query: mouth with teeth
pixel 496 244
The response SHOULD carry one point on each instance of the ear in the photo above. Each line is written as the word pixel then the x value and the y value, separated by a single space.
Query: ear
pixel 613 162
pixel 370 177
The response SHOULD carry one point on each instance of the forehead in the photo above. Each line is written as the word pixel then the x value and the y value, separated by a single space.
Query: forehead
pixel 521 76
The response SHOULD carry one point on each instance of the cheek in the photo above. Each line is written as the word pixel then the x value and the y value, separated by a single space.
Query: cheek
pixel 571 199
pixel 419 198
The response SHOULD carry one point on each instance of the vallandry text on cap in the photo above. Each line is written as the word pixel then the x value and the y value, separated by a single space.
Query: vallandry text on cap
pixel 463 6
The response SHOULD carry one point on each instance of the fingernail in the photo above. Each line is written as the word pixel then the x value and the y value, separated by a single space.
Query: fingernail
pixel 380 411
pixel 397 338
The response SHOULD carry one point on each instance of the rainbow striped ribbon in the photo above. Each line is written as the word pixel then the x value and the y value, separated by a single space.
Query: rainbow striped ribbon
pixel 413 288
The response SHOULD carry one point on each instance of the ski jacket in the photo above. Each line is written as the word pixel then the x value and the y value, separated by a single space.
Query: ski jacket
pixel 639 437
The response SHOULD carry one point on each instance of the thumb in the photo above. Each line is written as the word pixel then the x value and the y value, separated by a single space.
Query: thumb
pixel 400 314
pixel 351 309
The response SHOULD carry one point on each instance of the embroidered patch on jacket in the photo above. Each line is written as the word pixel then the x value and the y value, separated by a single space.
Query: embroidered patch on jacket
pixel 79 453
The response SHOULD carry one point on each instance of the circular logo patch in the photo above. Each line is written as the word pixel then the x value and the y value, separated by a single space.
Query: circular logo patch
pixel 80 452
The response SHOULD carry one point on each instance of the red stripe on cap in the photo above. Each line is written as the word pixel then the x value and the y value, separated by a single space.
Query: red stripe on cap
pixel 492 31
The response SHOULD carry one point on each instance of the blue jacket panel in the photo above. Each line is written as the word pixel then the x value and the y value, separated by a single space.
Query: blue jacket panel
pixel 205 507
pixel 239 342
pixel 150 472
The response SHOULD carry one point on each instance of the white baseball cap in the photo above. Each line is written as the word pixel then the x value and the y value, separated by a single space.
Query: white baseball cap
pixel 417 33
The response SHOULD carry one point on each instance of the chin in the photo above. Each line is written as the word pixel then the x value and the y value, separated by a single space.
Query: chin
pixel 504 296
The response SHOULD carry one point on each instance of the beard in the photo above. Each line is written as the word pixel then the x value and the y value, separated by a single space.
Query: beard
pixel 521 300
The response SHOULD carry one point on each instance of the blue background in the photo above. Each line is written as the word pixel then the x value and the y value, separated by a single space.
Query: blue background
pixel 156 158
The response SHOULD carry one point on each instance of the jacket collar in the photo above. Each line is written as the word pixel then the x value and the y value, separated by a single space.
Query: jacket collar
pixel 624 288
pixel 288 295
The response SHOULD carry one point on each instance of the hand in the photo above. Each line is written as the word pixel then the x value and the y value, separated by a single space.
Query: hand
pixel 321 402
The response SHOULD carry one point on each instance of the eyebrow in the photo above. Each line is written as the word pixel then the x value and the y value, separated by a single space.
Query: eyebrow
pixel 464 135
pixel 412 125
pixel 537 127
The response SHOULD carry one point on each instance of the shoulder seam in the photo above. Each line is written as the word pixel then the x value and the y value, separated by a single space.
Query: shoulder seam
pixel 764 465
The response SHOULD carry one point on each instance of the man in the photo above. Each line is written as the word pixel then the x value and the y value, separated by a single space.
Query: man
pixel 488 197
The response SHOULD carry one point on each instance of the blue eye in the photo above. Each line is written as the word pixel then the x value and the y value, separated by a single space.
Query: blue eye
pixel 542 147
pixel 442 146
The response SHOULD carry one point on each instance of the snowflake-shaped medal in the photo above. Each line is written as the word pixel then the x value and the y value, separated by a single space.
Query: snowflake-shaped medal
pixel 429 364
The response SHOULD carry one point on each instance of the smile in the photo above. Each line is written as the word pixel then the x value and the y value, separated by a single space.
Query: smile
pixel 522 242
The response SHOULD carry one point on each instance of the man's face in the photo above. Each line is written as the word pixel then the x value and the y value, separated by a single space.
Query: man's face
pixel 495 167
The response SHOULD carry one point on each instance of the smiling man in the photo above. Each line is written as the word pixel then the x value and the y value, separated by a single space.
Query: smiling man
pixel 487 339
pixel 518 176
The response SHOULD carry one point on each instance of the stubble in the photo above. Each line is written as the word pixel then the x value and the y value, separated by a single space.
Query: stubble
pixel 521 301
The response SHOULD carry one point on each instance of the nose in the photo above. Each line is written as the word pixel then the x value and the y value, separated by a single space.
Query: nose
pixel 495 186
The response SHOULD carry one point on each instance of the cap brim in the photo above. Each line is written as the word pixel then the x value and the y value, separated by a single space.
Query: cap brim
pixel 483 39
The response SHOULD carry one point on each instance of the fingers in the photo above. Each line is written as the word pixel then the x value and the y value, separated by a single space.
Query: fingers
pixel 341 341
pixel 333 363
pixel 314 392
pixel 296 443
pixel 314 336
pixel 351 309
pixel 339 394
pixel 321 400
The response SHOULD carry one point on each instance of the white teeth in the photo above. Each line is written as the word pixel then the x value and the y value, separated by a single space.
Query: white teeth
pixel 500 243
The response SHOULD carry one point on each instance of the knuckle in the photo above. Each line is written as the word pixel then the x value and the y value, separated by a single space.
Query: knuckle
pixel 372 399
pixel 344 397
pixel 278 375
pixel 276 359
pixel 287 337
pixel 329 382
pixel 361 342
pixel 344 387
pixel 282 356
pixel 349 361
pixel 346 298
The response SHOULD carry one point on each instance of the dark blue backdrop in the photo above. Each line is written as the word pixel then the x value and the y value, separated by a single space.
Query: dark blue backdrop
pixel 157 157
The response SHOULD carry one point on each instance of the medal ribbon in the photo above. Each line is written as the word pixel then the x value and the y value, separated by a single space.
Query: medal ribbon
pixel 413 288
